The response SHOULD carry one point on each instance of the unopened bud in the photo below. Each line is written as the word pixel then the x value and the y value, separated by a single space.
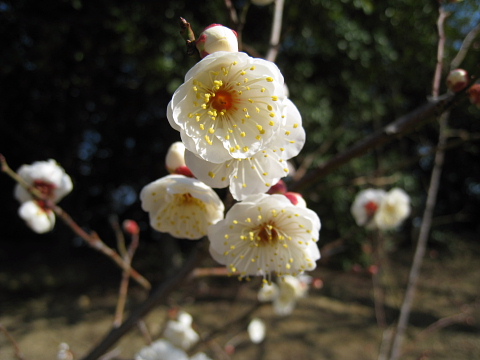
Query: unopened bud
pixel 457 80
pixel 296 199
pixel 262 2
pixel 131 227
pixel 215 38
pixel 279 188
pixel 474 95
pixel 175 160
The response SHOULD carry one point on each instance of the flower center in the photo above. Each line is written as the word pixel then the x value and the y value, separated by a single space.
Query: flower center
pixel 267 235
pixel 44 187
pixel 371 207
pixel 223 100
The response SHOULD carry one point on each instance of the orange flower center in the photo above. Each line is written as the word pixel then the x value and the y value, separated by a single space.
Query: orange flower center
pixel 371 207
pixel 223 100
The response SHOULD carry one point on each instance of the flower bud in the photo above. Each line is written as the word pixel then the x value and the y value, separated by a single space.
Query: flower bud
pixel 296 199
pixel 474 95
pixel 175 160
pixel 457 80
pixel 279 188
pixel 131 227
pixel 217 37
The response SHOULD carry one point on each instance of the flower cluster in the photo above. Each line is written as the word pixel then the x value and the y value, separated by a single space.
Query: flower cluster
pixel 237 124
pixel 48 178
pixel 238 130
pixel 378 209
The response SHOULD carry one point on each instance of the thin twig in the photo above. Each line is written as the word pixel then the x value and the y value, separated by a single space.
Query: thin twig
pixel 155 298
pixel 276 31
pixel 18 352
pixel 95 242
pixel 123 289
pixel 467 42
pixel 429 208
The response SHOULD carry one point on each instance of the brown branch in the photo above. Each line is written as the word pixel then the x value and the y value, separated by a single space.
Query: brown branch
pixel 155 298
pixel 401 126
pixel 425 227
pixel 95 242
pixel 276 31
pixel 467 42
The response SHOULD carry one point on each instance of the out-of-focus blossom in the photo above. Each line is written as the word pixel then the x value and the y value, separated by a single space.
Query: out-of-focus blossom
pixel 365 206
pixel 64 352
pixel 180 332
pixel 181 206
pixel 215 38
pixel 256 330
pixel 291 289
pixel 268 292
pixel 164 350
pixel 266 234
pixel 230 106
pixel 457 80
pixel 393 210
pixel 47 177
pixel 161 350
pixel 255 174
pixel 285 295
pixel 39 219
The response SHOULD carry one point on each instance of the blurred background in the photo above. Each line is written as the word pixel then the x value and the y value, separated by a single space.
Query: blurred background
pixel 87 84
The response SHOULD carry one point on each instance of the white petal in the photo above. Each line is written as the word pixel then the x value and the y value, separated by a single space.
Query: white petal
pixel 256 330
pixel 38 219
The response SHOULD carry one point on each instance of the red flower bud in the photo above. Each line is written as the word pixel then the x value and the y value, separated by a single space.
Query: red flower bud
pixel 457 80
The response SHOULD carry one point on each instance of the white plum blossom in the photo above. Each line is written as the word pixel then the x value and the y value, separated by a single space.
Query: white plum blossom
pixel 255 174
pixel 264 235
pixel 164 350
pixel 291 289
pixel 47 177
pixel 215 38
pixel 230 106
pixel 285 295
pixel 180 332
pixel 256 330
pixel 39 219
pixel 393 210
pixel 181 206
pixel 365 206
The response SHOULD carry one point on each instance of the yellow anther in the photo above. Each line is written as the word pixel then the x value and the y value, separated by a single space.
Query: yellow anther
pixel 275 98
pixel 269 79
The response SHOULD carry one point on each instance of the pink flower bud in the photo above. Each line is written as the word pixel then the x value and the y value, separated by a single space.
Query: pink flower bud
pixel 457 80
pixel 474 95
pixel 296 199
pixel 215 38
pixel 279 188
pixel 131 227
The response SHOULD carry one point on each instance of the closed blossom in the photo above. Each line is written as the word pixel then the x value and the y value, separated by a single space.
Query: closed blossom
pixel 230 105
pixel 39 219
pixel 181 206
pixel 264 235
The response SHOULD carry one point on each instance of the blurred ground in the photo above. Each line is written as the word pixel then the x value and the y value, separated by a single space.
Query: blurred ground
pixel 335 322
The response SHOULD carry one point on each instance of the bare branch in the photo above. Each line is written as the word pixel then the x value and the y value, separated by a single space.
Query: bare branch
pixel 276 31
